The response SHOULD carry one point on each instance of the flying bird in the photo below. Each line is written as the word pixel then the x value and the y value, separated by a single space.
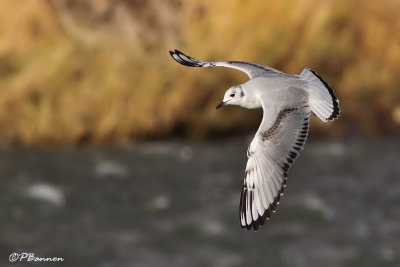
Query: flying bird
pixel 287 101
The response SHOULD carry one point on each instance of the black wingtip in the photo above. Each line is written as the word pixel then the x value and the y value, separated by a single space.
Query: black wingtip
pixel 256 224
pixel 172 53
pixel 175 52
pixel 184 59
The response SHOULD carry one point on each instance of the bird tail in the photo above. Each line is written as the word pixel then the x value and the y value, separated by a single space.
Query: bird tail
pixel 323 101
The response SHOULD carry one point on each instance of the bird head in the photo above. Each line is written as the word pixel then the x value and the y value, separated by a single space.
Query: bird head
pixel 233 96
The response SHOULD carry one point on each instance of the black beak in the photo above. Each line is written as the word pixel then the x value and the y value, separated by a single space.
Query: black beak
pixel 221 104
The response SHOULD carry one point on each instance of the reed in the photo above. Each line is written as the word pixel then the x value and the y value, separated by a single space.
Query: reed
pixel 101 73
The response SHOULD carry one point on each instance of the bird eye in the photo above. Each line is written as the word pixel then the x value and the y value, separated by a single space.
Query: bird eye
pixel 232 95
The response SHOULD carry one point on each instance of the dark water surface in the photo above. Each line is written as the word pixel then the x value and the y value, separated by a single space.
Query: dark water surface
pixel 177 205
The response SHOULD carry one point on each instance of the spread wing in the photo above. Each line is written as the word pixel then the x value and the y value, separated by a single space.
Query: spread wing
pixel 278 141
pixel 252 70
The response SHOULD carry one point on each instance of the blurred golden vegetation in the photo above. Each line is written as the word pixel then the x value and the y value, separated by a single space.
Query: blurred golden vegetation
pixel 99 71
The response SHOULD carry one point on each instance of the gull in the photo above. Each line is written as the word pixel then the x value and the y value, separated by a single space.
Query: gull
pixel 287 101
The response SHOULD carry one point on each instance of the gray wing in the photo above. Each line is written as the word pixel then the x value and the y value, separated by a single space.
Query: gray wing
pixel 278 141
pixel 252 70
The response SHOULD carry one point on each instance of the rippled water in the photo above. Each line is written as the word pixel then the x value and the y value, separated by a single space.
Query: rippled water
pixel 177 205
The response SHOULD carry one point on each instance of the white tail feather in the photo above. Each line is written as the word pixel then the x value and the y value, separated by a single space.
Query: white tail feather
pixel 322 101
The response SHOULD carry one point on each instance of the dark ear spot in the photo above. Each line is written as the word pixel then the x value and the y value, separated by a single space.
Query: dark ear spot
pixel 241 94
